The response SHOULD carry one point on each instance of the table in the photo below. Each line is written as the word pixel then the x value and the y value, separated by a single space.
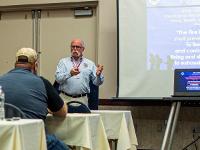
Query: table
pixel 119 125
pixel 23 134
pixel 83 130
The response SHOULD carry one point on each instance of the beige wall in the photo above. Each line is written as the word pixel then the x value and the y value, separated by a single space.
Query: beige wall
pixel 106 40
pixel 107 49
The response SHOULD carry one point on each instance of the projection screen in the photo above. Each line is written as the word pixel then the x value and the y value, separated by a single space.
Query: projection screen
pixel 154 38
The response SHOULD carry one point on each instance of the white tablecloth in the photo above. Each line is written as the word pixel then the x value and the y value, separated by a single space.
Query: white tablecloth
pixel 84 130
pixel 23 134
pixel 119 125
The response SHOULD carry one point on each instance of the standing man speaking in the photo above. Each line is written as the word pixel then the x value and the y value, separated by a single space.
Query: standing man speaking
pixel 74 74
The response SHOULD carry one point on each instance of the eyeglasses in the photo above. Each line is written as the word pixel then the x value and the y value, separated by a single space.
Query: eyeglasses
pixel 76 47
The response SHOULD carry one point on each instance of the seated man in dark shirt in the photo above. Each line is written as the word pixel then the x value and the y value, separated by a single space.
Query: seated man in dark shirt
pixel 34 95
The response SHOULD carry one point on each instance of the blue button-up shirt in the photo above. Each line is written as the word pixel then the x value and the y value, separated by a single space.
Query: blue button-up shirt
pixel 77 84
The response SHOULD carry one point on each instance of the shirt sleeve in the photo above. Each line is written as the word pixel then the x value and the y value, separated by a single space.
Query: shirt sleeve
pixel 97 80
pixel 54 101
pixel 62 73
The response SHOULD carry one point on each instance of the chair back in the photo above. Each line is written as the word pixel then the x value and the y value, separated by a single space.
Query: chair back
pixel 13 111
pixel 77 107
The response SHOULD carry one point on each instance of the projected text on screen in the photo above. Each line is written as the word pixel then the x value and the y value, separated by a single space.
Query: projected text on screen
pixel 173 36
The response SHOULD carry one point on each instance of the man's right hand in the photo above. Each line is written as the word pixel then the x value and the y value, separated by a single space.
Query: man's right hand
pixel 74 71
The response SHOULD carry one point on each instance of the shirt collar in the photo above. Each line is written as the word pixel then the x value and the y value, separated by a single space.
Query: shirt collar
pixel 80 59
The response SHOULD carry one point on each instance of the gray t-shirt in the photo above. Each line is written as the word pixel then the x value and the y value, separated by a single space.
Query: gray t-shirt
pixel 28 92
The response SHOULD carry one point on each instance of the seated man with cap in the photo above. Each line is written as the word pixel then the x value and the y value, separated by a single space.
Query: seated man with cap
pixel 34 95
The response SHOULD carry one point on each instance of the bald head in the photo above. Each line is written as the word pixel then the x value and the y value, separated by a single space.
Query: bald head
pixel 77 48
pixel 78 41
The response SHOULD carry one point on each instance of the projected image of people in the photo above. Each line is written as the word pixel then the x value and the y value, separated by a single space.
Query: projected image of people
pixel 155 62
pixel 169 63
